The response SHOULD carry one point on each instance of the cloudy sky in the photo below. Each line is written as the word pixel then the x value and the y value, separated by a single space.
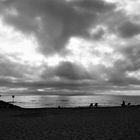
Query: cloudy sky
pixel 70 47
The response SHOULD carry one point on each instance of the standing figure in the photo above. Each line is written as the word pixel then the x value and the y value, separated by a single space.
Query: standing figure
pixel 123 104
pixel 129 104
pixel 13 96
pixel 91 105
pixel 96 105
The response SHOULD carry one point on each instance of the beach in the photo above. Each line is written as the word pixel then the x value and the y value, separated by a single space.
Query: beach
pixel 104 123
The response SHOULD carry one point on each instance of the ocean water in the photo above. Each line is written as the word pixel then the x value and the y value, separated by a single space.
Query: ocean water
pixel 41 101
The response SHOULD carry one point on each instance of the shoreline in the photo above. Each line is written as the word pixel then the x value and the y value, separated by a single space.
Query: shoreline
pixel 69 101
pixel 6 105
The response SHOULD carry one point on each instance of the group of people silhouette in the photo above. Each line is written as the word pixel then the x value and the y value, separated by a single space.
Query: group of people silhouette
pixel 95 105
pixel 124 104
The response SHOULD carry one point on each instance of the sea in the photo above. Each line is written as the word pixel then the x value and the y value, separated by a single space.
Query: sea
pixel 42 101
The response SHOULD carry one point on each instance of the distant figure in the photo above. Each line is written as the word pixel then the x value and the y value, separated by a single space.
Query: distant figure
pixel 123 104
pixel 59 107
pixel 91 105
pixel 96 105
pixel 129 104
pixel 13 96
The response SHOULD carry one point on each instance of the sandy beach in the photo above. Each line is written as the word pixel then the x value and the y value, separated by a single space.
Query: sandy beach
pixel 114 123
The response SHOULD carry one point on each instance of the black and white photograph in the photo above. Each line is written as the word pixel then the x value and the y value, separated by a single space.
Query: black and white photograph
pixel 69 69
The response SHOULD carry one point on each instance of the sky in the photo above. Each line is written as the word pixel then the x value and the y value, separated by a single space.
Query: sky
pixel 70 47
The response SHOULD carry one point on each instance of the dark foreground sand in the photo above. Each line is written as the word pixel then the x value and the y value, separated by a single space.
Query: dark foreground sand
pixel 70 124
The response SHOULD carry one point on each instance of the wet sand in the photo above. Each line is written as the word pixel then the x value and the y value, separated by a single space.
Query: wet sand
pixel 114 123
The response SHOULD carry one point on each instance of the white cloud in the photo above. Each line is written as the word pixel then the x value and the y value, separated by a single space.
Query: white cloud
pixel 131 7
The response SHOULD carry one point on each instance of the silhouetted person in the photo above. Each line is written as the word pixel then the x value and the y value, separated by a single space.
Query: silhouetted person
pixel 13 96
pixel 123 104
pixel 91 105
pixel 96 105
pixel 128 104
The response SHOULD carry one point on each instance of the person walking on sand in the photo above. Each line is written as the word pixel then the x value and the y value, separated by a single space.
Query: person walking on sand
pixel 123 104
pixel 96 105
pixel 91 105
pixel 129 104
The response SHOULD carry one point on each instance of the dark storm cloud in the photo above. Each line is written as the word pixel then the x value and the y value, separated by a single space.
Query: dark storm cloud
pixel 8 68
pixel 94 6
pixel 67 70
pixel 53 22
pixel 132 54
pixel 131 63
pixel 71 71
pixel 120 78
pixel 50 84
pixel 5 82
pixel 129 29
pixel 13 71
